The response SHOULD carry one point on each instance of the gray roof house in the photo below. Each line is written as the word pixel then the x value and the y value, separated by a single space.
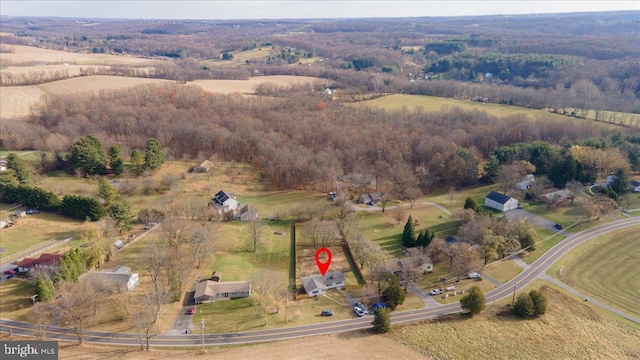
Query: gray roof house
pixel 501 202
pixel 372 198
pixel 210 291
pixel 120 277
pixel 247 213
pixel 317 284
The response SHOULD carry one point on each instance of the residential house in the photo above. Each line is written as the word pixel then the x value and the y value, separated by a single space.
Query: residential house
pixel 48 262
pixel 327 91
pixel 119 278
pixel 417 264
pixel 526 182
pixel 247 213
pixel 372 198
pixel 224 202
pixel 318 284
pixel 501 202
pixel 634 185
pixel 204 167
pixel 210 291
pixel 20 213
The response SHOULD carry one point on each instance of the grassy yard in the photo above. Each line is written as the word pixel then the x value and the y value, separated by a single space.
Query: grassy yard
pixel 15 303
pixel 32 230
pixel 569 330
pixel 455 201
pixel 545 240
pixel 606 268
pixel 502 271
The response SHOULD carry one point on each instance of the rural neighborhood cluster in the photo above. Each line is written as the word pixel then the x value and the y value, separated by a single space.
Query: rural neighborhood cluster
pixel 192 184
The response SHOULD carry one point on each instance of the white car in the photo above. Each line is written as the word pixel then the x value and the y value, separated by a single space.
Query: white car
pixel 436 292
pixel 473 275
pixel 451 288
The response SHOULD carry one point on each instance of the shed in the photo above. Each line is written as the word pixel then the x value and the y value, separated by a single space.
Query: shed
pixel 501 202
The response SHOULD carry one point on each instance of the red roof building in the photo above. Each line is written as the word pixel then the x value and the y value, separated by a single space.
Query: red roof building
pixel 45 261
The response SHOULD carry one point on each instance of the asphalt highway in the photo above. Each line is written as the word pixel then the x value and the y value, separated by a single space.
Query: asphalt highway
pixel 194 339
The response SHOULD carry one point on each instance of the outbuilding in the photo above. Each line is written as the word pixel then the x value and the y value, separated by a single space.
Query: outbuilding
pixel 501 202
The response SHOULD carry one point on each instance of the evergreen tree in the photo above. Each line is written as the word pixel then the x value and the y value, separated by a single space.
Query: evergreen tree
pixel 420 238
pixel 115 161
pixel 492 166
pixel 106 192
pixel 87 154
pixel 153 156
pixel 8 178
pixel 394 294
pixel 120 211
pixel 136 161
pixel 528 241
pixel 620 183
pixel 561 172
pixel 409 233
pixel 425 237
pixel 523 307
pixel 21 171
pixel 539 302
pixel 382 321
pixel 44 288
pixel 469 203
pixel 474 302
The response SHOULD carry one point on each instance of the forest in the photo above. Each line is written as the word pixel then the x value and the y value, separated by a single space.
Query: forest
pixel 583 58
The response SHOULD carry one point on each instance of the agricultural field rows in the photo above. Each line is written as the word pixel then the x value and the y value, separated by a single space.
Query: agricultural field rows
pixel 30 55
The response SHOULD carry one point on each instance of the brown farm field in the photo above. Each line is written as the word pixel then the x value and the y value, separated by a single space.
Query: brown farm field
pixel 248 86
pixel 32 55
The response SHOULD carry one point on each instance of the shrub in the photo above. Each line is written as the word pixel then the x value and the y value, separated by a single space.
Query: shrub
pixel 474 302
pixel 382 321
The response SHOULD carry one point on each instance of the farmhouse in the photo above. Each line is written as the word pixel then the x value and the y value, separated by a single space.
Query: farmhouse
pixel 119 278
pixel 526 182
pixel 500 202
pixel 204 167
pixel 210 291
pixel 372 198
pixel 48 262
pixel 318 284
pixel 224 202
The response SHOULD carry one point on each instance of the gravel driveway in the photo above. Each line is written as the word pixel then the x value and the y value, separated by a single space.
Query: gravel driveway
pixel 536 220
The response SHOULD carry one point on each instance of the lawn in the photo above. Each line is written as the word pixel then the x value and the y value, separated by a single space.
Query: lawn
pixel 33 230
pixel 569 330
pixel 15 303
pixel 545 240
pixel 606 268
pixel 502 271
pixel 455 201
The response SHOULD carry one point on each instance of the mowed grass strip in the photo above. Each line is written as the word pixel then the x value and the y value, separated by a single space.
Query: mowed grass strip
pixel 569 330
pixel 502 271
pixel 607 269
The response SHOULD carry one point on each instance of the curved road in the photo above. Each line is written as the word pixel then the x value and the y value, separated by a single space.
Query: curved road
pixel 506 290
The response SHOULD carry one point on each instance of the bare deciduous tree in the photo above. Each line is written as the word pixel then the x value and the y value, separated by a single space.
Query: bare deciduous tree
pixel 320 233
pixel 76 308
pixel 256 233
pixel 399 214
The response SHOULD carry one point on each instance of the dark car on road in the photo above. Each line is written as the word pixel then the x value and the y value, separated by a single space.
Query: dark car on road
pixel 558 226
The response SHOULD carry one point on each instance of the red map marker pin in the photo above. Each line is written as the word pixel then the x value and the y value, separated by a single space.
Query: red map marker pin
pixel 323 266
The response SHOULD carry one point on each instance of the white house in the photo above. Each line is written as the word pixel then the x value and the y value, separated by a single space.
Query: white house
pixel 224 202
pixel 317 284
pixel 120 278
pixel 501 202
pixel 526 182
pixel 210 291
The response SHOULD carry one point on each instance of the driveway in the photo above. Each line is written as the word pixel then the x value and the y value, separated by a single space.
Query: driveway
pixel 533 219
pixel 184 321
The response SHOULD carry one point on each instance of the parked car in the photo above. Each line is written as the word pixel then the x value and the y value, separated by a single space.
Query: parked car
pixel 436 292
pixel 32 211
pixel 377 306
pixel 149 226
pixel 451 288
pixel 473 275
pixel 558 226
pixel 359 312
pixel 10 271
pixel 362 307
pixel 191 311
pixel 326 313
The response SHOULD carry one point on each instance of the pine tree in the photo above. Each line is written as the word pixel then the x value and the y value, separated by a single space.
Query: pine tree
pixel 474 302
pixel 382 321
pixel 21 172
pixel 136 160
pixel 115 161
pixel 394 293
pixel 153 156
pixel 44 288
pixel 409 233
pixel 469 203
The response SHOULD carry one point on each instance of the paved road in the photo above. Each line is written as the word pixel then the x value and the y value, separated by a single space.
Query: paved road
pixel 528 275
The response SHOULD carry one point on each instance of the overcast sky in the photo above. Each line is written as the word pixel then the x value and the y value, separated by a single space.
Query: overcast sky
pixel 287 9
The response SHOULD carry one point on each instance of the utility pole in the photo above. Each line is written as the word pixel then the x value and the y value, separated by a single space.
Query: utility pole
pixel 202 323
pixel 513 300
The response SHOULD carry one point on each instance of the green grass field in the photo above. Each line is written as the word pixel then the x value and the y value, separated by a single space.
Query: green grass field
pixel 502 271
pixel 569 330
pixel 607 269
pixel 15 301
pixel 432 103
